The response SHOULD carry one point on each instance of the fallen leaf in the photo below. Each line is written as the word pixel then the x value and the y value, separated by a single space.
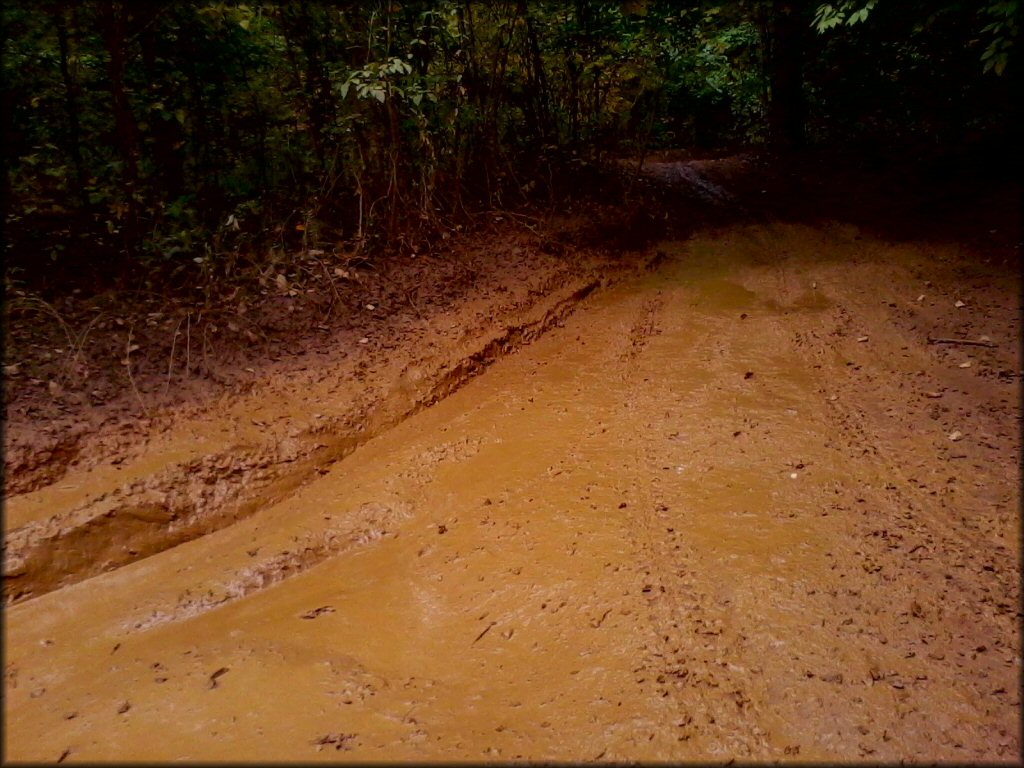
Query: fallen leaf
pixel 364 340
pixel 959 304
pixel 11 370
pixel 966 365
pixel 282 283
pixel 862 338
pixel 338 740
pixel 955 435
pixel 921 297
pixel 318 612
pixel 213 678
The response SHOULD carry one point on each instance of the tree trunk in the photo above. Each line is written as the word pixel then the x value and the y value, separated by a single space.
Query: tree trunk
pixel 7 144
pixel 166 132
pixel 787 108
pixel 114 29
pixel 540 81
pixel 318 85
pixel 71 91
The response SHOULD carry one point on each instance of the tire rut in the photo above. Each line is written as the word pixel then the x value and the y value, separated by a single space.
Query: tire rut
pixel 186 501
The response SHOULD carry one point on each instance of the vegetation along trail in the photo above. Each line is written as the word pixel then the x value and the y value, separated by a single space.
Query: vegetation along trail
pixel 453 380
pixel 736 506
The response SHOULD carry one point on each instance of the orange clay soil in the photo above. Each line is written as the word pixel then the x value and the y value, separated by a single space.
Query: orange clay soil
pixel 749 492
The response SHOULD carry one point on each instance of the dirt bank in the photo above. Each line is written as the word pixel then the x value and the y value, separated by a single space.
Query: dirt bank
pixel 752 493
pixel 108 489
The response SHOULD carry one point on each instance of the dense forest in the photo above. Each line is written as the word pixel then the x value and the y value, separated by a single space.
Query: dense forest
pixel 195 139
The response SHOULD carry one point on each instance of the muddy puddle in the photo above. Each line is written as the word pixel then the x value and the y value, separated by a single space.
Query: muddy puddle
pixel 698 519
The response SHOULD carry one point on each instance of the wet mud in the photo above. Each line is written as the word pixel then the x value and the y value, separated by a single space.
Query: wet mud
pixel 119 524
pixel 737 507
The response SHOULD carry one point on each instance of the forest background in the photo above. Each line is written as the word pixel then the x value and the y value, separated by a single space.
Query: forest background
pixel 184 144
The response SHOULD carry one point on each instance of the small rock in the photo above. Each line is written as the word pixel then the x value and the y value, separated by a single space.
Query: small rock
pixel 364 340
pixel 966 365
pixel 955 435
pixel 862 338
pixel 959 304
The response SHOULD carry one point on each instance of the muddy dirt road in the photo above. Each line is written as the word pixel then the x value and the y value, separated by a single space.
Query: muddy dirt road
pixel 739 506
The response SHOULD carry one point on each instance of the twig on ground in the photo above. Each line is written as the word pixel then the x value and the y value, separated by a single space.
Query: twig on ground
pixel 77 348
pixel 188 343
pixel 486 630
pixel 514 216
pixel 170 360
pixel 131 379
pixel 76 341
pixel 408 295
pixel 968 342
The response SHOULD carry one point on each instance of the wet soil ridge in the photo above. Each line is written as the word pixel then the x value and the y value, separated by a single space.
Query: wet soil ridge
pixel 26 471
pixel 191 499
pixel 371 522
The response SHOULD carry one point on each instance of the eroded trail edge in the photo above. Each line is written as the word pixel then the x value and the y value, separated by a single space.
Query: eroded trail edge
pixel 737 507
pixel 186 500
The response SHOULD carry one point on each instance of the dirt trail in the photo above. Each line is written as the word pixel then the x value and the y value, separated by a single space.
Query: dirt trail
pixel 715 513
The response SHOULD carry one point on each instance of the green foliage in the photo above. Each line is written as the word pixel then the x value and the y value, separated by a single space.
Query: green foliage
pixel 846 12
pixel 188 135
pixel 1002 27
